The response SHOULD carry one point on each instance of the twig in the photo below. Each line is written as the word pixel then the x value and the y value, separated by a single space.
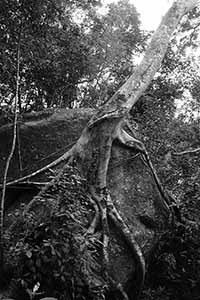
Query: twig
pixel 62 158
pixel 28 184
pixel 19 151
pixel 186 152
pixel 11 153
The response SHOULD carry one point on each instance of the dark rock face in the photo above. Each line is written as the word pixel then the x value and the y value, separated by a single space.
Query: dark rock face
pixel 43 137
pixel 133 191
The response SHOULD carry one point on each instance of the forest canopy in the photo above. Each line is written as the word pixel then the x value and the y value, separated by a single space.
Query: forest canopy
pixel 68 51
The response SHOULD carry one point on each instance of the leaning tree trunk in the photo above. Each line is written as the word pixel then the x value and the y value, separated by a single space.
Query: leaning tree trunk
pixel 91 153
pixel 93 149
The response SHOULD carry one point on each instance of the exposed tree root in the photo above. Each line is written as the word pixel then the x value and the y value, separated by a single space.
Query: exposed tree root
pixel 93 225
pixel 102 205
pixel 131 142
pixel 102 197
pixel 122 291
pixel 99 194
pixel 135 248
pixel 167 202
pixel 119 287
pixel 115 217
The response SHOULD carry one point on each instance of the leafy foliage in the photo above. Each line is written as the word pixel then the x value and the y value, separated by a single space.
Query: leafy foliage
pixel 168 115
pixel 113 40
pixel 48 245
pixel 63 60
pixel 53 51
pixel 174 268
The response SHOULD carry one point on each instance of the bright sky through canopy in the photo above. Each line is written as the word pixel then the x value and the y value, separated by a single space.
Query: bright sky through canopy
pixel 151 11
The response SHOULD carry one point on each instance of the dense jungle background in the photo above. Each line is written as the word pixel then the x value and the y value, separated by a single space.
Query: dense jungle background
pixel 65 54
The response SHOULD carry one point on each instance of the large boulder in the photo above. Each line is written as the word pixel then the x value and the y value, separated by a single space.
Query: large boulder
pixel 42 137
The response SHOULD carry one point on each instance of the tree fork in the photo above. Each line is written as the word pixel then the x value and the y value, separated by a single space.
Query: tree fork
pixel 130 92
pixel 107 133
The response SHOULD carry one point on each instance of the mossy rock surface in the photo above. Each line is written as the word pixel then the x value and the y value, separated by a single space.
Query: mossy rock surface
pixel 44 138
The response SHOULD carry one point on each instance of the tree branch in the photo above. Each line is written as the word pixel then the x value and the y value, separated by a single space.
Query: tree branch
pixel 11 152
pixel 130 92
pixel 193 151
